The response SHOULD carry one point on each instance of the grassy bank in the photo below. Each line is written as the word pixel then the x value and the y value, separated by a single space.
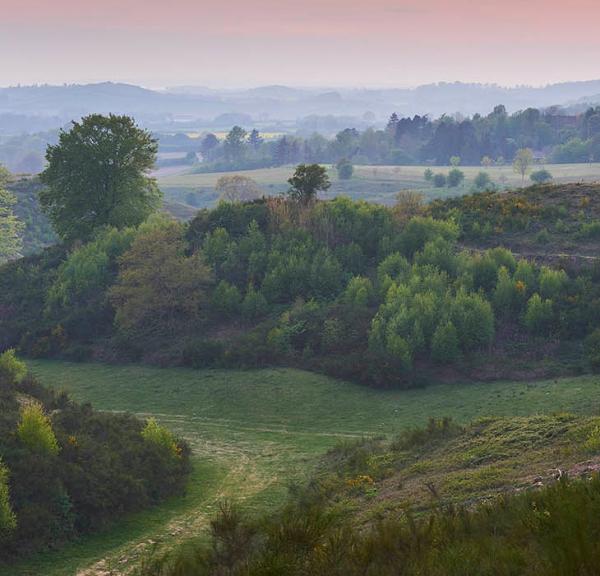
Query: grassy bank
pixel 254 432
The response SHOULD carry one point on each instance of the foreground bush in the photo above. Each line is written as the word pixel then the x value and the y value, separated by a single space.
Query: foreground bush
pixel 67 470
pixel 550 532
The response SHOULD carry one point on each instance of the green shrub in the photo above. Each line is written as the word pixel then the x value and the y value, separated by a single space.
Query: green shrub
pixel 506 293
pixel 455 177
pixel 540 176
pixel 474 320
pixel 333 334
pixel 226 299
pixel 8 520
pixel 345 169
pixel 439 180
pixel 551 282
pixel 11 368
pixel 35 430
pixel 539 316
pixel 254 304
pixel 158 435
pixel 358 293
pixel 590 229
pixel 420 230
pixel 445 344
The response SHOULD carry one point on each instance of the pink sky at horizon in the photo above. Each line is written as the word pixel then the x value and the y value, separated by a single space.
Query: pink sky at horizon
pixel 317 42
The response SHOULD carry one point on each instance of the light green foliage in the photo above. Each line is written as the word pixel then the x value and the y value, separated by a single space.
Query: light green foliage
pixel 406 321
pixel 326 275
pixel 445 344
pixel 539 316
pixel 254 304
pixel 97 176
pixel 359 292
pixel 523 161
pixel 89 269
pixel 156 434
pixel 474 319
pixel 226 299
pixel 439 253
pixel 11 368
pixel 506 293
pixel 592 442
pixel 8 520
pixel 420 230
pixel 393 268
pixel 503 257
pixel 10 226
pixel 552 282
pixel 35 430
pixel 525 273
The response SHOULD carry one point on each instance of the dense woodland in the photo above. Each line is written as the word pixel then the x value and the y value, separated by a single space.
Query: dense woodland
pixel 385 296
pixel 67 470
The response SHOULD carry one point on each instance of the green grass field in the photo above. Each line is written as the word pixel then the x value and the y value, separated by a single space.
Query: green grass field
pixel 255 432
pixel 373 183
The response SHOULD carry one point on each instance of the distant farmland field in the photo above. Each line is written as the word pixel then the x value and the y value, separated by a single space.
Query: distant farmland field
pixel 372 183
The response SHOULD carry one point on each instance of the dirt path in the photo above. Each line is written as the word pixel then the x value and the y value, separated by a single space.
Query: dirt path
pixel 124 560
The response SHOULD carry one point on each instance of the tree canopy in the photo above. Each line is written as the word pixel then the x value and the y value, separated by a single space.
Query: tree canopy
pixel 307 181
pixel 97 175
pixel 10 226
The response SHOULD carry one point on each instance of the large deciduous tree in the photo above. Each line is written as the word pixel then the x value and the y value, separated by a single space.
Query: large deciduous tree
pixel 160 290
pixel 307 181
pixel 97 175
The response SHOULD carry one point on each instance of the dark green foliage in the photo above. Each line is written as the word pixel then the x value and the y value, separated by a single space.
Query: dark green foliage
pixel 439 180
pixel 203 353
pixel 540 176
pixel 307 181
pixel 97 176
pixel 345 169
pixel 37 233
pixel 455 177
pixel 483 182
pixel 72 470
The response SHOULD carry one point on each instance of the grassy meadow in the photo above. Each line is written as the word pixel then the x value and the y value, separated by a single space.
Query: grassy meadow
pixel 372 183
pixel 253 433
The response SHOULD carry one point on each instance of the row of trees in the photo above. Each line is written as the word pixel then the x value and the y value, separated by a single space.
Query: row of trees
pixel 495 138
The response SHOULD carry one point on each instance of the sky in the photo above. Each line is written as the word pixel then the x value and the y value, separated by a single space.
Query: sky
pixel 237 43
